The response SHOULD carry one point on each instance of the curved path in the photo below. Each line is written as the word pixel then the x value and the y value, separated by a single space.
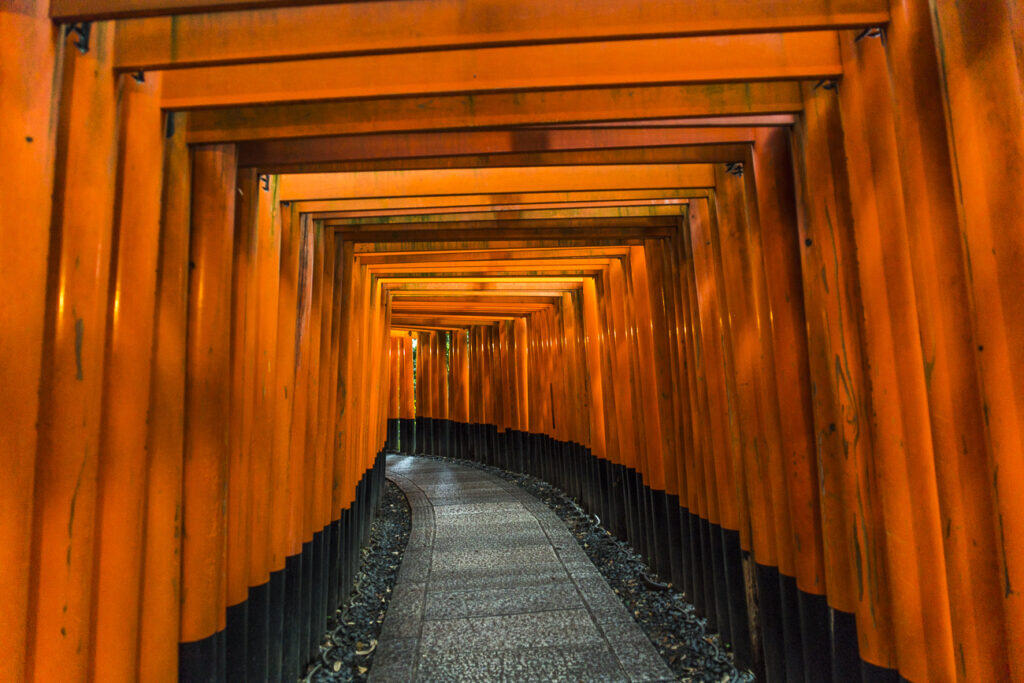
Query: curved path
pixel 494 587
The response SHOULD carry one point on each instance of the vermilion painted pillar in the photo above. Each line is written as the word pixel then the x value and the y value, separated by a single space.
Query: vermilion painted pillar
pixel 705 501
pixel 718 458
pixel 964 473
pixel 408 411
pixel 160 611
pixel 592 348
pixel 577 406
pixel 73 351
pixel 463 398
pixel 30 60
pixel 521 345
pixel 261 573
pixel 120 522
pixel 978 47
pixel 324 515
pixel 294 610
pixel 378 406
pixel 283 396
pixel 854 554
pixel 649 365
pixel 901 435
pixel 342 460
pixel 743 350
pixel 311 549
pixel 207 412
pixel 655 286
pixel 360 364
pixel 394 387
pixel 418 389
pixel 243 302
pixel 666 261
pixel 283 558
pixel 330 435
pixel 342 455
pixel 772 173
pixel 723 398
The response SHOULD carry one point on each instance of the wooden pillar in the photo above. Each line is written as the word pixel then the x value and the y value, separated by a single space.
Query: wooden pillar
pixel 727 452
pixel 30 62
pixel 979 47
pixel 408 411
pixel 665 268
pixel 650 366
pixel 123 457
pixel 307 509
pixel 705 499
pixel 454 378
pixel 417 377
pixel 463 398
pixel 379 331
pixel 578 402
pixel 330 428
pixel 324 598
pixel 958 422
pixel 207 403
pixel 901 435
pixel 772 174
pixel 854 555
pixel 394 376
pixel 297 454
pixel 617 372
pixel 655 286
pixel 357 425
pixel 243 361
pixel 342 458
pixel 261 512
pixel 160 609
pixel 592 347
pixel 284 393
pixel 73 350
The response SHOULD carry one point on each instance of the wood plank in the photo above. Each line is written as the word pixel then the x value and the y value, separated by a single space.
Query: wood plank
pixel 661 61
pixel 391 26
pixel 461 111
pixel 407 183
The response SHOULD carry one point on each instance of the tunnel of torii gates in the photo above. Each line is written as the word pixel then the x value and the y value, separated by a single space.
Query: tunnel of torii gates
pixel 744 278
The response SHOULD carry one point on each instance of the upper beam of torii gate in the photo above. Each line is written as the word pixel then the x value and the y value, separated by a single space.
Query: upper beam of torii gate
pixel 312 186
pixel 489 110
pixel 395 24
pixel 675 154
pixel 340 208
pixel 658 61
pixel 389 26
pixel 276 156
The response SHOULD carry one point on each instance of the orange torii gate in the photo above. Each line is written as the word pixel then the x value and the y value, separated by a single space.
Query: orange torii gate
pixel 742 279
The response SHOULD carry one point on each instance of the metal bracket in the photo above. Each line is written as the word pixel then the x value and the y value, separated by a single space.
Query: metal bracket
pixel 735 168
pixel 82 30
pixel 827 84
pixel 264 181
pixel 139 76
pixel 870 32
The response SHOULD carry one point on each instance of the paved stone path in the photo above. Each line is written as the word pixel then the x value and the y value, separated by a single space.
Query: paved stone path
pixel 494 587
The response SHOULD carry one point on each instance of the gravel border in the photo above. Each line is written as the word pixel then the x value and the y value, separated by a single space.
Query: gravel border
pixel 669 621
pixel 348 646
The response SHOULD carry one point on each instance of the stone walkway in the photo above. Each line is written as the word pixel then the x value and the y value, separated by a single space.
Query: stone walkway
pixel 494 587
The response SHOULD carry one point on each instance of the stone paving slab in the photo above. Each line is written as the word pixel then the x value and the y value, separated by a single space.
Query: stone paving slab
pixel 499 601
pixel 493 587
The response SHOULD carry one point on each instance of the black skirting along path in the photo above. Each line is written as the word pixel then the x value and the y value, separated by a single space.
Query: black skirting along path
pixel 494 587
